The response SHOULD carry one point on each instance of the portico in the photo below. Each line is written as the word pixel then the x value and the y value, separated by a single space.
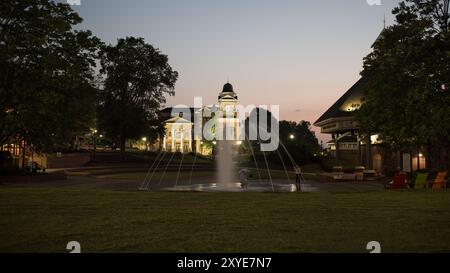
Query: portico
pixel 178 136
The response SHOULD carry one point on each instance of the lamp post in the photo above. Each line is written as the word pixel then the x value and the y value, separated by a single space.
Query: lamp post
pixel 94 143
pixel 144 139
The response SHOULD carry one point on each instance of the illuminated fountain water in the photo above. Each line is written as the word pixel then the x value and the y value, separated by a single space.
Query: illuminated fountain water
pixel 225 167
pixel 226 178
pixel 226 146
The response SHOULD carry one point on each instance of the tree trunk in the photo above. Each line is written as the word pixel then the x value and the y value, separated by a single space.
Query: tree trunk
pixel 429 157
pixel 418 158
pixel 23 156
pixel 161 139
pixel 123 140
pixel 447 157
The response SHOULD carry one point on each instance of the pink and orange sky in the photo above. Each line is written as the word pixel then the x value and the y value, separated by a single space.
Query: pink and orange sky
pixel 300 54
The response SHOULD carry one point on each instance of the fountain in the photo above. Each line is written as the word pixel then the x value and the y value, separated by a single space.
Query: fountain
pixel 226 178
pixel 224 135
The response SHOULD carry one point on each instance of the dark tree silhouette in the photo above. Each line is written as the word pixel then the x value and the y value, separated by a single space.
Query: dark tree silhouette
pixel 138 77
pixel 47 93
pixel 407 100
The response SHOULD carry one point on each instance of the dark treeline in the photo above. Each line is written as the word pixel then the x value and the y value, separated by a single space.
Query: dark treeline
pixel 50 92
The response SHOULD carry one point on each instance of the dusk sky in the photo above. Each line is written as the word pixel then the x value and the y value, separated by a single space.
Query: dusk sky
pixel 300 54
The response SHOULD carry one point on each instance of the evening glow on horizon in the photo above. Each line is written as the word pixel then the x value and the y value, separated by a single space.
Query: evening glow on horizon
pixel 301 55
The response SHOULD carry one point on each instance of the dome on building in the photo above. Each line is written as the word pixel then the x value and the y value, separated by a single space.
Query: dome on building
pixel 227 88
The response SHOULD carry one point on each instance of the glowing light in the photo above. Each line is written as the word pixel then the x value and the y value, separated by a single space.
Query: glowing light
pixel 420 155
pixel 144 139
pixel 291 136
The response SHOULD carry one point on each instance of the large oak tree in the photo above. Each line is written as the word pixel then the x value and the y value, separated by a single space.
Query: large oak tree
pixel 138 77
pixel 46 73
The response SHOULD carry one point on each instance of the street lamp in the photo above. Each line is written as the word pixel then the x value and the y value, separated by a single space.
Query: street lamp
pixel 144 139
pixel 291 136
pixel 94 142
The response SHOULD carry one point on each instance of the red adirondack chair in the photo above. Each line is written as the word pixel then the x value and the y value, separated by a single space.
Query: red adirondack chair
pixel 399 181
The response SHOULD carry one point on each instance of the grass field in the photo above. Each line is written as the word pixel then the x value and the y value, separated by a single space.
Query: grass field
pixel 45 219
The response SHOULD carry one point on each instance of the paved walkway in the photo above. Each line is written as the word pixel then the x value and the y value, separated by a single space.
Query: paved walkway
pixel 205 182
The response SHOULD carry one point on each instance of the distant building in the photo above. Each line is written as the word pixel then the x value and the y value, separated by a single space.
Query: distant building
pixel 179 129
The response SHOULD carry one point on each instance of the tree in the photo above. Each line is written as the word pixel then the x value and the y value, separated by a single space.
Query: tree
pixel 47 93
pixel 407 100
pixel 299 140
pixel 297 143
pixel 138 77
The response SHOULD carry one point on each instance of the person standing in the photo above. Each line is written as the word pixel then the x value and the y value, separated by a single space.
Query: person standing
pixel 298 177
pixel 243 177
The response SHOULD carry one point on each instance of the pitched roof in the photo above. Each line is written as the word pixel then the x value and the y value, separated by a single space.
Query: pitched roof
pixel 168 110
pixel 345 105
pixel 177 120
pixel 166 113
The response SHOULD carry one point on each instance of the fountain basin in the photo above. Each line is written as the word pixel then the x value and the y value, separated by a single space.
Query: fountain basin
pixel 263 186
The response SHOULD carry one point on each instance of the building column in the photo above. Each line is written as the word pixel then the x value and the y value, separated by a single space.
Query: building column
pixel 172 148
pixel 182 140
pixel 198 148
pixel 190 139
pixel 336 144
pixel 358 138
pixel 369 165
pixel 164 143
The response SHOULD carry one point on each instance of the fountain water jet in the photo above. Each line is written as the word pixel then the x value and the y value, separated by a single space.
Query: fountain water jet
pixel 225 166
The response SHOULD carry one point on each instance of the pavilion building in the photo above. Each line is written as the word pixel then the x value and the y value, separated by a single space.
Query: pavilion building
pixel 350 146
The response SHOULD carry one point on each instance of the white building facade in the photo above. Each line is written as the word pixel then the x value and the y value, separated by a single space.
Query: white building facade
pixel 179 124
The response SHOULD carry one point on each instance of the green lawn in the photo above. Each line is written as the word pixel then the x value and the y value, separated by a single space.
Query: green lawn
pixel 45 219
